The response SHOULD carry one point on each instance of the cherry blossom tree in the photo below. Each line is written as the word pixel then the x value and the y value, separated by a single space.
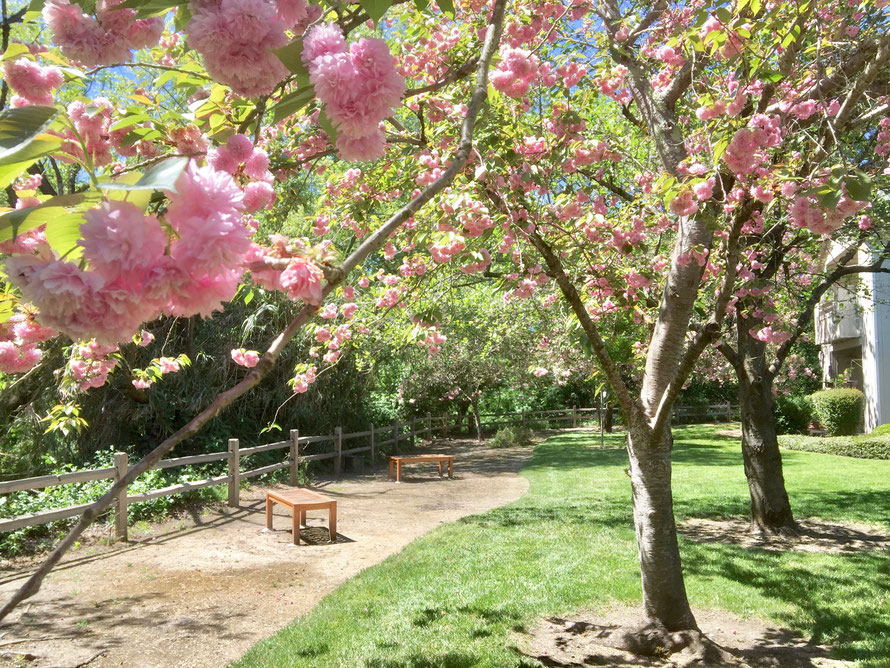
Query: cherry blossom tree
pixel 169 231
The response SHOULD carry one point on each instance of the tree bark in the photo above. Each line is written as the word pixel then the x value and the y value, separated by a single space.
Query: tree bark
pixel 608 418
pixel 476 418
pixel 664 593
pixel 770 507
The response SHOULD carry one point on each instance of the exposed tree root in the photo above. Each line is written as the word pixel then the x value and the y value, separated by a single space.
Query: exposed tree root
pixel 682 648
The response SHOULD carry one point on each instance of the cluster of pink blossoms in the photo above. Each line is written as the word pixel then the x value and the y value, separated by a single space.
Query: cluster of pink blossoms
pixel 518 69
pixel 805 212
pixel 359 86
pixel 32 83
pixel 103 39
pixel 237 37
pixel 131 277
pixel 240 158
pixel 247 358
pixel 302 381
pixel 19 337
pixel 90 365
pixel 301 279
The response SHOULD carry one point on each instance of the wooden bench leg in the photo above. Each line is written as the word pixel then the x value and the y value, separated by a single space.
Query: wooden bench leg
pixel 332 521
pixel 269 503
pixel 440 468
pixel 296 515
pixel 398 471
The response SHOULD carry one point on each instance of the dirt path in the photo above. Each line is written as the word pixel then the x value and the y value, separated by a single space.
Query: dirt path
pixel 204 594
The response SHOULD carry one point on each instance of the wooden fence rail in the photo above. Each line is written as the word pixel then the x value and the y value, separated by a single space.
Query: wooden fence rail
pixel 398 432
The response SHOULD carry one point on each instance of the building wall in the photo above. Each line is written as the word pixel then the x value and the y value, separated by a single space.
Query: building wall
pixel 875 339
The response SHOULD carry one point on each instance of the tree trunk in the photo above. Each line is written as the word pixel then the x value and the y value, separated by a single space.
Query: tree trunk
pixel 608 419
pixel 664 593
pixel 770 508
pixel 461 416
pixel 476 418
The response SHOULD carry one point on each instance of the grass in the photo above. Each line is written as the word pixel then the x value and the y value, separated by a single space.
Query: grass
pixel 454 597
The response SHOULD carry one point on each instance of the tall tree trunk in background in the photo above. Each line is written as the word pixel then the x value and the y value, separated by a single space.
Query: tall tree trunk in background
pixel 770 508
pixel 608 418
pixel 476 418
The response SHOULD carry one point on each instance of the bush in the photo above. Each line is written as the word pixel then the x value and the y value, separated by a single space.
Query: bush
pixel 839 410
pixel 511 436
pixel 868 446
pixel 881 430
pixel 793 414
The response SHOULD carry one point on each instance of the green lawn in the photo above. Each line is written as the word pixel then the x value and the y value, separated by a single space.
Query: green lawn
pixel 453 597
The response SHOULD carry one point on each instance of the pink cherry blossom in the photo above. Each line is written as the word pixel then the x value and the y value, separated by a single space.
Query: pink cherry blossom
pixel 303 279
pixel 246 358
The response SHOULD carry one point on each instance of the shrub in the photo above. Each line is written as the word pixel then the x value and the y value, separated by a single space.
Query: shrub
pixel 793 414
pixel 838 410
pixel 511 436
pixel 867 446
pixel 881 430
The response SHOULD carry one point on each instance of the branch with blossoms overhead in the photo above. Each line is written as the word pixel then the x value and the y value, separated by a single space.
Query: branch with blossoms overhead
pixel 303 278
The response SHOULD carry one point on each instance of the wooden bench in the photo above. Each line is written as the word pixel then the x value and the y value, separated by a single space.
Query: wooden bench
pixel 299 501
pixel 396 462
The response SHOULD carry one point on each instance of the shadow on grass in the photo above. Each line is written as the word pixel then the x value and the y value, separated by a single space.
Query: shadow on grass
pixel 834 595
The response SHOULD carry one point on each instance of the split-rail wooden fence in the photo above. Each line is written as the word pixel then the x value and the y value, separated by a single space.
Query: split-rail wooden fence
pixel 375 439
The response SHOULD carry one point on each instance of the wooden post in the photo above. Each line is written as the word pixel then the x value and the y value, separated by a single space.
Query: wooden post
pixel 234 473
pixel 372 444
pixel 522 419
pixel 120 516
pixel 338 449
pixel 411 434
pixel 294 456
pixel 729 411
pixel 395 436
pixel 445 424
pixel 574 417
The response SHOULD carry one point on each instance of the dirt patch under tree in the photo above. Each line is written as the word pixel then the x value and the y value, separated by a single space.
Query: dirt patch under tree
pixel 201 591
pixel 587 640
pixel 813 535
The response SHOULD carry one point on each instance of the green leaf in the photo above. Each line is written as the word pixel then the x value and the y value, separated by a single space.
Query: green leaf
pixel 22 135
pixel 13 223
pixel 291 55
pixel 328 126
pixel 146 8
pixel 724 15
pixel 859 186
pixel 377 8
pixel 447 6
pixel 161 176
pixel 829 198
pixel 15 50
pixel 292 103
pixel 63 233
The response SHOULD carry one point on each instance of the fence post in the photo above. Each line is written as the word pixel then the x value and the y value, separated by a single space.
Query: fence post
pixel 411 435
pixel 574 416
pixel 429 427
pixel 522 419
pixel 234 473
pixel 729 411
pixel 338 449
pixel 294 456
pixel 372 444
pixel 120 516
pixel 395 436
pixel 445 424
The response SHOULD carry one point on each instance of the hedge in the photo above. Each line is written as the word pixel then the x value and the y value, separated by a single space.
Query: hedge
pixel 793 414
pixel 838 410
pixel 875 445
